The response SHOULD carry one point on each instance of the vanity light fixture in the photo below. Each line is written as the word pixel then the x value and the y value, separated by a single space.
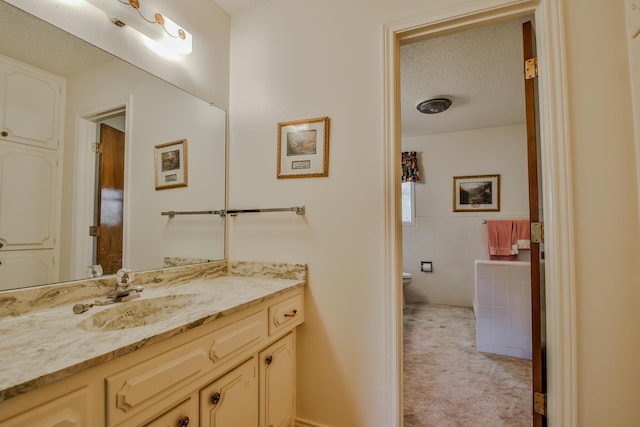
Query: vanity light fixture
pixel 434 105
pixel 156 27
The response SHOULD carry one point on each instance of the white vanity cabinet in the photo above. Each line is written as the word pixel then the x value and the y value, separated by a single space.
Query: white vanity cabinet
pixel 238 370
pixel 231 400
pixel 69 410
pixel 175 417
pixel 277 378
pixel 30 106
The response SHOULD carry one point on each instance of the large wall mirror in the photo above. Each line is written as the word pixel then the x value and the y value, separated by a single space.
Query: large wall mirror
pixel 110 177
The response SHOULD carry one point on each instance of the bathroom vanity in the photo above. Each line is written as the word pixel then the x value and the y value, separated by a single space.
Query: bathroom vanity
pixel 202 346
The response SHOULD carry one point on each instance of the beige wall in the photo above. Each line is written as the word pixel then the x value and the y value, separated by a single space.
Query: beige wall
pixel 293 60
pixel 606 216
pixel 159 113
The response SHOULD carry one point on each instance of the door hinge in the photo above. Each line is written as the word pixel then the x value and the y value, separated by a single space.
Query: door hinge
pixel 537 232
pixel 94 231
pixel 96 147
pixel 531 68
pixel 540 403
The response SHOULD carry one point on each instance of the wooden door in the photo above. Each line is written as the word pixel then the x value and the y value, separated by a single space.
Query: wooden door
pixel 110 201
pixel 535 214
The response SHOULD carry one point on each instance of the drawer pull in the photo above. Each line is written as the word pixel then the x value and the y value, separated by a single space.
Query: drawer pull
pixel 184 422
pixel 5 133
pixel 215 398
pixel 292 314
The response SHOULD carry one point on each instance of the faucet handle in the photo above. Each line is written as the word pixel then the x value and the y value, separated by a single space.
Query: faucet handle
pixel 124 276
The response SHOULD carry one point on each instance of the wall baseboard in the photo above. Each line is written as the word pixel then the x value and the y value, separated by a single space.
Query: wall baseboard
pixel 306 423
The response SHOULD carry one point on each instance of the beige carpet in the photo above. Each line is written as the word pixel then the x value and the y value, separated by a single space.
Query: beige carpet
pixel 448 383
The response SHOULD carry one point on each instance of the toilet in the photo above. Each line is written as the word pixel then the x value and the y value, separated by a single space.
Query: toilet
pixel 406 280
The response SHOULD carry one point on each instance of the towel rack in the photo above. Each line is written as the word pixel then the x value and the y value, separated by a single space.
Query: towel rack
pixel 172 214
pixel 299 210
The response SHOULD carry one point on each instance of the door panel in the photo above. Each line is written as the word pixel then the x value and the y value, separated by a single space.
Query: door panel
pixel 231 400
pixel 535 215
pixel 110 199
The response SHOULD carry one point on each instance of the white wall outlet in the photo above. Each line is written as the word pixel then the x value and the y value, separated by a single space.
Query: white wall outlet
pixel 426 266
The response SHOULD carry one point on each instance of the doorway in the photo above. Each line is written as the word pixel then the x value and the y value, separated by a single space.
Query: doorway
pixel 108 227
pixel 554 154
pixel 100 210
pixel 482 133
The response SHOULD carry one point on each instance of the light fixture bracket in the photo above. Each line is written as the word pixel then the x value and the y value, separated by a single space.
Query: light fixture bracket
pixel 155 26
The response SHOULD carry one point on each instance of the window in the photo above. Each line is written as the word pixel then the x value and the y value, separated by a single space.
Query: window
pixel 408 204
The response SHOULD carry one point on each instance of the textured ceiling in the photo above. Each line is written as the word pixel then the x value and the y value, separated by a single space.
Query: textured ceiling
pixel 480 69
pixel 44 46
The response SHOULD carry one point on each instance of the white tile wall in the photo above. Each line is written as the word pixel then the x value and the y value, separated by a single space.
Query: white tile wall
pixel 503 308
pixel 454 240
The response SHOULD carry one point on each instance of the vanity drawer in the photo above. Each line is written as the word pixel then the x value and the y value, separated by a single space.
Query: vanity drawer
pixel 139 387
pixel 240 337
pixel 130 391
pixel 286 314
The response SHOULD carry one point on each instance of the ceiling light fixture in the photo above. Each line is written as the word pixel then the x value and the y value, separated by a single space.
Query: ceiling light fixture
pixel 155 26
pixel 434 105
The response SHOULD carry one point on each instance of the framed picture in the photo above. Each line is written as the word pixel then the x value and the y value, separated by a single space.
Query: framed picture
pixel 303 148
pixel 171 164
pixel 480 193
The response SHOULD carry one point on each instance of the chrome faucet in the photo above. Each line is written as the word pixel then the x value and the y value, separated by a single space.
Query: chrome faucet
pixel 124 277
pixel 122 291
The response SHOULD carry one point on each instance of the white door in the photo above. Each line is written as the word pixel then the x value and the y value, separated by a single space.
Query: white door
pixel 30 107
pixel 25 268
pixel 28 182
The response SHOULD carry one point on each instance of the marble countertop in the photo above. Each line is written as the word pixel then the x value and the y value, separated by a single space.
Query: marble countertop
pixel 45 345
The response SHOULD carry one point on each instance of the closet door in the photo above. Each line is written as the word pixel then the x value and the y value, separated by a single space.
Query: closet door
pixel 28 180
pixel 25 268
pixel 29 106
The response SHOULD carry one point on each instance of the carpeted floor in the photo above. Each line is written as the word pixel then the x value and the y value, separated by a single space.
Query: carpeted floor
pixel 448 383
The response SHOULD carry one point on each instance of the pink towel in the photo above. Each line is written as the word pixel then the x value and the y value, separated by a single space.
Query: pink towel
pixel 499 235
pixel 522 234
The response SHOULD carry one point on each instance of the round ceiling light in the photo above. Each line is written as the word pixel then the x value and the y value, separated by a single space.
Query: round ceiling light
pixel 434 105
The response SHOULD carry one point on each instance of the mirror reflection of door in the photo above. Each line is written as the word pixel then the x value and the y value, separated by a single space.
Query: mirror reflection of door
pixel 109 199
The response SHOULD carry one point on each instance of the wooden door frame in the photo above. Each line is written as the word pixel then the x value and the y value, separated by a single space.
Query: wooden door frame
pixel 84 184
pixel 556 173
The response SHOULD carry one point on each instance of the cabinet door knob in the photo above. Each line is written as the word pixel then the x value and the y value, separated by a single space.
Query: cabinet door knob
pixel 184 422
pixel 4 133
pixel 269 360
pixel 215 398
